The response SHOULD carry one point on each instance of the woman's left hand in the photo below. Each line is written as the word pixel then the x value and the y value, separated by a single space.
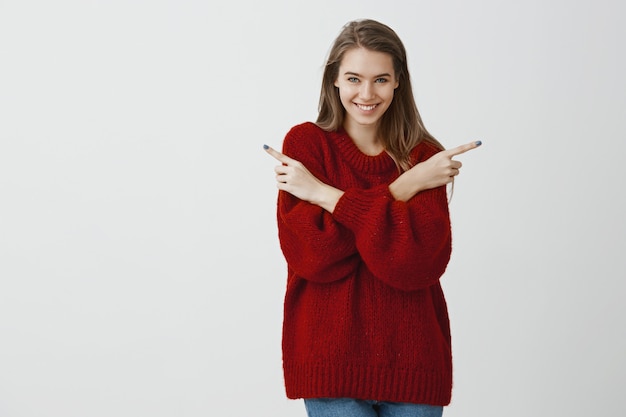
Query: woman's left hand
pixel 292 176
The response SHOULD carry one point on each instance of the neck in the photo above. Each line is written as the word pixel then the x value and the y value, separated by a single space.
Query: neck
pixel 365 137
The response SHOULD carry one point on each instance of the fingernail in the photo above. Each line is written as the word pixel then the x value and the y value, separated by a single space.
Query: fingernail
pixel 265 147
pixel 478 143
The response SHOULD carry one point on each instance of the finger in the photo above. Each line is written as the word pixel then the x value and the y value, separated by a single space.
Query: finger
pixel 463 148
pixel 277 155
pixel 281 169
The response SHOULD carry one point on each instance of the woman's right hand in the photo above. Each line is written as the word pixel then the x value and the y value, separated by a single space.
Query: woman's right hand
pixel 440 169
pixel 293 177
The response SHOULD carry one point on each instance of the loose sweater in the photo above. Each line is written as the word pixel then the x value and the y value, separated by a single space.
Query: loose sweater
pixel 364 315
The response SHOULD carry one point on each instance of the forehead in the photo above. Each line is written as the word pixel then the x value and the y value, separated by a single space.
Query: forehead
pixel 366 62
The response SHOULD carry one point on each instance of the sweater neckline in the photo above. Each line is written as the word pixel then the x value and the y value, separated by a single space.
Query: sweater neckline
pixel 375 164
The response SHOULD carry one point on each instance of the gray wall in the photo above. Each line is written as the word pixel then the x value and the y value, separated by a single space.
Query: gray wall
pixel 140 272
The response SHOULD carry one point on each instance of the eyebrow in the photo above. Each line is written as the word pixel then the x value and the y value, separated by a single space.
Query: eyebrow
pixel 359 75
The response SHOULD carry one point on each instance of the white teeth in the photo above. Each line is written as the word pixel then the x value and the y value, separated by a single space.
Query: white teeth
pixel 366 108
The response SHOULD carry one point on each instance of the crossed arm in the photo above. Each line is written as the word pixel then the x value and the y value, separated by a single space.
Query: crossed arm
pixel 405 244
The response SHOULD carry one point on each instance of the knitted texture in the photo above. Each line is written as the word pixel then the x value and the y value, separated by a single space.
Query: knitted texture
pixel 364 316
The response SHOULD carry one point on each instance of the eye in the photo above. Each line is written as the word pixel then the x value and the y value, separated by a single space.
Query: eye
pixel 353 80
pixel 381 80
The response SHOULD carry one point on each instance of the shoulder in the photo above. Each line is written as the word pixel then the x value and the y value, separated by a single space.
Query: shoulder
pixel 305 131
pixel 424 150
pixel 311 145
pixel 304 138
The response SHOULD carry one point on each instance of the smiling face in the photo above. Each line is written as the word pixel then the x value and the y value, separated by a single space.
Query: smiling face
pixel 366 83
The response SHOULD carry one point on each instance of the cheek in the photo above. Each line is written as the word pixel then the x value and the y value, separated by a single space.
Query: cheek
pixel 389 94
pixel 345 94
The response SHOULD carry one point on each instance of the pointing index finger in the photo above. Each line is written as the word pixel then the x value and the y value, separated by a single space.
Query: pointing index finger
pixel 277 155
pixel 463 148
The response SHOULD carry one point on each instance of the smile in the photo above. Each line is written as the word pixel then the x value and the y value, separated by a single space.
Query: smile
pixel 366 108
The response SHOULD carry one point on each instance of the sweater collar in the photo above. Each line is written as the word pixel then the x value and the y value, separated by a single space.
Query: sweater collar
pixel 378 164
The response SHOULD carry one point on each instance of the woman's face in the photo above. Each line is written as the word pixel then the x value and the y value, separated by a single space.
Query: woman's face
pixel 366 83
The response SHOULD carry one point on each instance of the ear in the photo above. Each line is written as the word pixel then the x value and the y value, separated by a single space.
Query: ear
pixel 337 83
pixel 397 84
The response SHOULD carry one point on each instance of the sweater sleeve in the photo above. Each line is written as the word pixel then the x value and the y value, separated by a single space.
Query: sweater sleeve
pixel 316 246
pixel 404 244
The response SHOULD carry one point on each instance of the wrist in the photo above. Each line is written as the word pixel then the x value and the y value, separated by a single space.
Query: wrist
pixel 405 187
pixel 328 197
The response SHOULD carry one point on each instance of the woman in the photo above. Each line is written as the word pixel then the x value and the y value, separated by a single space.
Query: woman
pixel 364 227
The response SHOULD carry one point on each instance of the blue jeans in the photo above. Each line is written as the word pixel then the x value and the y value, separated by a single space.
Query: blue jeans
pixel 349 407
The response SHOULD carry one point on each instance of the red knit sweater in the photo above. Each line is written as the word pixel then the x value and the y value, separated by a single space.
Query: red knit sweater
pixel 364 315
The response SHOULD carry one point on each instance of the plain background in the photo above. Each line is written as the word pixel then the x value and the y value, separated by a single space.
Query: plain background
pixel 140 273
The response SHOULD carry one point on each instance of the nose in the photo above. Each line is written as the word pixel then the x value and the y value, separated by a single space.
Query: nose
pixel 367 91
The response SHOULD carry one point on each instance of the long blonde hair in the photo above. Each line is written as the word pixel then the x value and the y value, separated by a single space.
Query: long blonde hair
pixel 400 128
